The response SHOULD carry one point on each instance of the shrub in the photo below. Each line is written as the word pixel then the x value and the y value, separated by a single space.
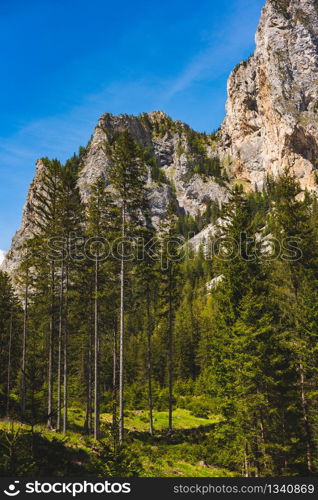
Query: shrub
pixel 163 400
pixel 199 408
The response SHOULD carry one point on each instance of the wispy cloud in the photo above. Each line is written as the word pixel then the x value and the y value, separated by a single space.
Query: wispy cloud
pixel 220 54
pixel 61 135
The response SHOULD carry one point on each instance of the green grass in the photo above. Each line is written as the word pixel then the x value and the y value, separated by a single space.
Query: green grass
pixel 184 469
pixel 182 419
pixel 178 468
pixel 71 440
pixel 180 460
pixel 139 420
pixel 161 455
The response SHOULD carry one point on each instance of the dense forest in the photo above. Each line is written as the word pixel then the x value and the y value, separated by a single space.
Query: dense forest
pixel 106 316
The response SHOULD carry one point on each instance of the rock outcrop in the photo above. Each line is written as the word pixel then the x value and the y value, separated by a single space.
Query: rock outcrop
pixel 272 107
pixel 177 149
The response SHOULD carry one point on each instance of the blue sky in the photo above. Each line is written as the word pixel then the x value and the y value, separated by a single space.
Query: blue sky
pixel 66 62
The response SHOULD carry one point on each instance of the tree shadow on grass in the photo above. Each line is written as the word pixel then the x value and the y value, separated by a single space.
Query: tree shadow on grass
pixel 177 436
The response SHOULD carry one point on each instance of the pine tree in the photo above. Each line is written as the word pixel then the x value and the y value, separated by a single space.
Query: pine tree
pixel 47 222
pixel 21 282
pixel 102 220
pixel 295 279
pixel 70 224
pixel 127 176
pixel 147 284
pixel 170 258
pixel 241 328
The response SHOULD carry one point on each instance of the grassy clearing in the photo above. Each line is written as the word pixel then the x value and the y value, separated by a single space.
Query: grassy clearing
pixel 182 419
pixel 139 420
pixel 161 456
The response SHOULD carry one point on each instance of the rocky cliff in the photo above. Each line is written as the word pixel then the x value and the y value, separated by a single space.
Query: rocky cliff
pixel 271 122
pixel 186 170
pixel 272 109
pixel 183 156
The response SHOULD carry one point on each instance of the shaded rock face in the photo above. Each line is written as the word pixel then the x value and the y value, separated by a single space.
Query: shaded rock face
pixel 272 108
pixel 13 257
pixel 95 161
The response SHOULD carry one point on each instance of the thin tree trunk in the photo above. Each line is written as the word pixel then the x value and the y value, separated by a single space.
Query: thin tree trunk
pixel 303 397
pixel 285 469
pixel 96 356
pixel 262 439
pixel 59 366
pixel 149 363
pixel 304 405
pixel 9 369
pixel 170 342
pixel 88 417
pixel 50 367
pixel 246 463
pixel 255 447
pixel 122 332
pixel 90 414
pixel 115 388
pixel 65 360
pixel 261 426
pixel 24 344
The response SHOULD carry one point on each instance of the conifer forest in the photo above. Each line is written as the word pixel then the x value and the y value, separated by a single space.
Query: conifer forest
pixel 124 349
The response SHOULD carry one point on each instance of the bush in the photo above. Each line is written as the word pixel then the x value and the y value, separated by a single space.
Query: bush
pixel 106 405
pixel 199 408
pixel 184 387
pixel 163 400
pixel 184 402
pixel 136 397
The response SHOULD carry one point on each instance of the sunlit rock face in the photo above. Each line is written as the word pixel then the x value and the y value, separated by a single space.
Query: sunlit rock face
pixel 272 109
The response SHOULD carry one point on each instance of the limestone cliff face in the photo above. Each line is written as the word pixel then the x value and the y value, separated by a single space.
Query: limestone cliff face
pixel 272 108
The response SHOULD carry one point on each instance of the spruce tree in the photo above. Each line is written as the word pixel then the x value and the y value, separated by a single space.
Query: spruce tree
pixel 170 258
pixel 126 174
pixel 294 276
pixel 101 229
